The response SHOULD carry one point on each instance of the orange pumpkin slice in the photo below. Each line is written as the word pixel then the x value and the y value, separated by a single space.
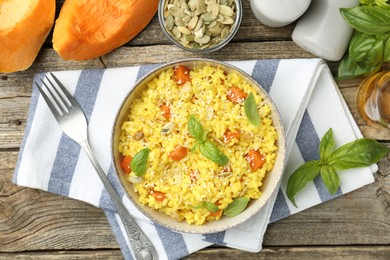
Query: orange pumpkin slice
pixel 87 29
pixel 24 26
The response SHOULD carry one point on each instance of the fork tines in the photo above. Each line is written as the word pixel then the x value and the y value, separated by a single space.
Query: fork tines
pixel 55 94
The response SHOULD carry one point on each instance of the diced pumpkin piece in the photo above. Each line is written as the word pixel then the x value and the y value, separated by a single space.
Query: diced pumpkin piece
pixel 181 74
pixel 229 135
pixel 158 195
pixel 178 153
pixel 125 164
pixel 236 95
pixel 87 29
pixel 24 26
pixel 255 159
pixel 166 110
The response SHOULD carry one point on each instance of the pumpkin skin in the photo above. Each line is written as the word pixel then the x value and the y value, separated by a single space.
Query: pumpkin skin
pixel 24 26
pixel 87 29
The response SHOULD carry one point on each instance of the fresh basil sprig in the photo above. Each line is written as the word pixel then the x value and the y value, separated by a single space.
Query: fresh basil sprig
pixel 251 112
pixel 139 161
pixel 369 46
pixel 359 153
pixel 236 207
pixel 207 148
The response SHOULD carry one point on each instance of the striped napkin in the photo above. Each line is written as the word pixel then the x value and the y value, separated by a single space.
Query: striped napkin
pixel 303 90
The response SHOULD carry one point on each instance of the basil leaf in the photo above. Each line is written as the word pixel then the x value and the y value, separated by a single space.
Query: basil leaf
pixel 330 178
pixel 196 130
pixel 211 206
pixel 211 152
pixel 366 48
pixel 326 145
pixel 200 205
pixel 383 3
pixel 349 68
pixel 386 55
pixel 140 159
pixel 236 207
pixel 300 177
pixel 359 153
pixel 367 19
pixel 251 112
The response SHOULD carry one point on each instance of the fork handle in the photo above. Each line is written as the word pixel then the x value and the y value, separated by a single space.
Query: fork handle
pixel 140 243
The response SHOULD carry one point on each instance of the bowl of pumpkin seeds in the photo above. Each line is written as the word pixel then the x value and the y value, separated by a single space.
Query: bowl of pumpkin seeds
pixel 200 26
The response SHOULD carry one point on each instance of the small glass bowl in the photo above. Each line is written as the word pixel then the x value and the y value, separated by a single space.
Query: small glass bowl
pixel 373 99
pixel 238 9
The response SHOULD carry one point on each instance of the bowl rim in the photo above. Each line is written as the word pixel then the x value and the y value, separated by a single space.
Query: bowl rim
pixel 236 26
pixel 281 147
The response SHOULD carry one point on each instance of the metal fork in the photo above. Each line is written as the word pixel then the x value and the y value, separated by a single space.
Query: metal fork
pixel 73 122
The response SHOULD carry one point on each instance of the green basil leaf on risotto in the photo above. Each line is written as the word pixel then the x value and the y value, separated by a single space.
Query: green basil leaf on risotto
pixel 251 112
pixel 211 152
pixel 211 206
pixel 236 207
pixel 140 159
pixel 196 130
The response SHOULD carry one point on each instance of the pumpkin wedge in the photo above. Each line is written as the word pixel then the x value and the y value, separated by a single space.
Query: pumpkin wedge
pixel 87 29
pixel 24 26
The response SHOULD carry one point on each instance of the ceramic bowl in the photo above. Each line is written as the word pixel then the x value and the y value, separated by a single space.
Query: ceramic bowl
pixel 270 182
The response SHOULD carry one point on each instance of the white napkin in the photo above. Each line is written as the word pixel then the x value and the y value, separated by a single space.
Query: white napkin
pixel 303 90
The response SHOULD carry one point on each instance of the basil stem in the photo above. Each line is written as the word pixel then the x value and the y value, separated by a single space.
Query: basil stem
pixel 139 161
pixel 236 207
pixel 251 112
pixel 211 152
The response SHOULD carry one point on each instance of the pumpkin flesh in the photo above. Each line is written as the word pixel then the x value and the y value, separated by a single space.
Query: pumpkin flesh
pixel 87 29
pixel 24 26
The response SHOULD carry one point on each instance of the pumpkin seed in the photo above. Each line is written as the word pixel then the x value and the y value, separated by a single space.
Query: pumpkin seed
pixel 202 40
pixel 193 22
pixel 199 33
pixel 187 19
pixel 199 24
pixel 226 10
pixel 168 128
pixel 174 10
pixel 169 22
pixel 225 32
pixel 183 30
pixel 227 20
pixel 215 11
pixel 176 32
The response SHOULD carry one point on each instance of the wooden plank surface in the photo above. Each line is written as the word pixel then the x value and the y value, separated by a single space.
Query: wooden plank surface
pixel 39 225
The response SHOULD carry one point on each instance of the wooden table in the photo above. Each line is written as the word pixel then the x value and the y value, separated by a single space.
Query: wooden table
pixel 39 225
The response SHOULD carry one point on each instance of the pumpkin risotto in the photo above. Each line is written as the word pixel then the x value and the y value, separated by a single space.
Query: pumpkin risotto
pixel 197 144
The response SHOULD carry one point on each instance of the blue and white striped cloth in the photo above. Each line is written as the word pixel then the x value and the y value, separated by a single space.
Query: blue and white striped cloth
pixel 302 89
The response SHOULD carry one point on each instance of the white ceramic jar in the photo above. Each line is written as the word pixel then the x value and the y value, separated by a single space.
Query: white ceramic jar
pixel 278 13
pixel 322 30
